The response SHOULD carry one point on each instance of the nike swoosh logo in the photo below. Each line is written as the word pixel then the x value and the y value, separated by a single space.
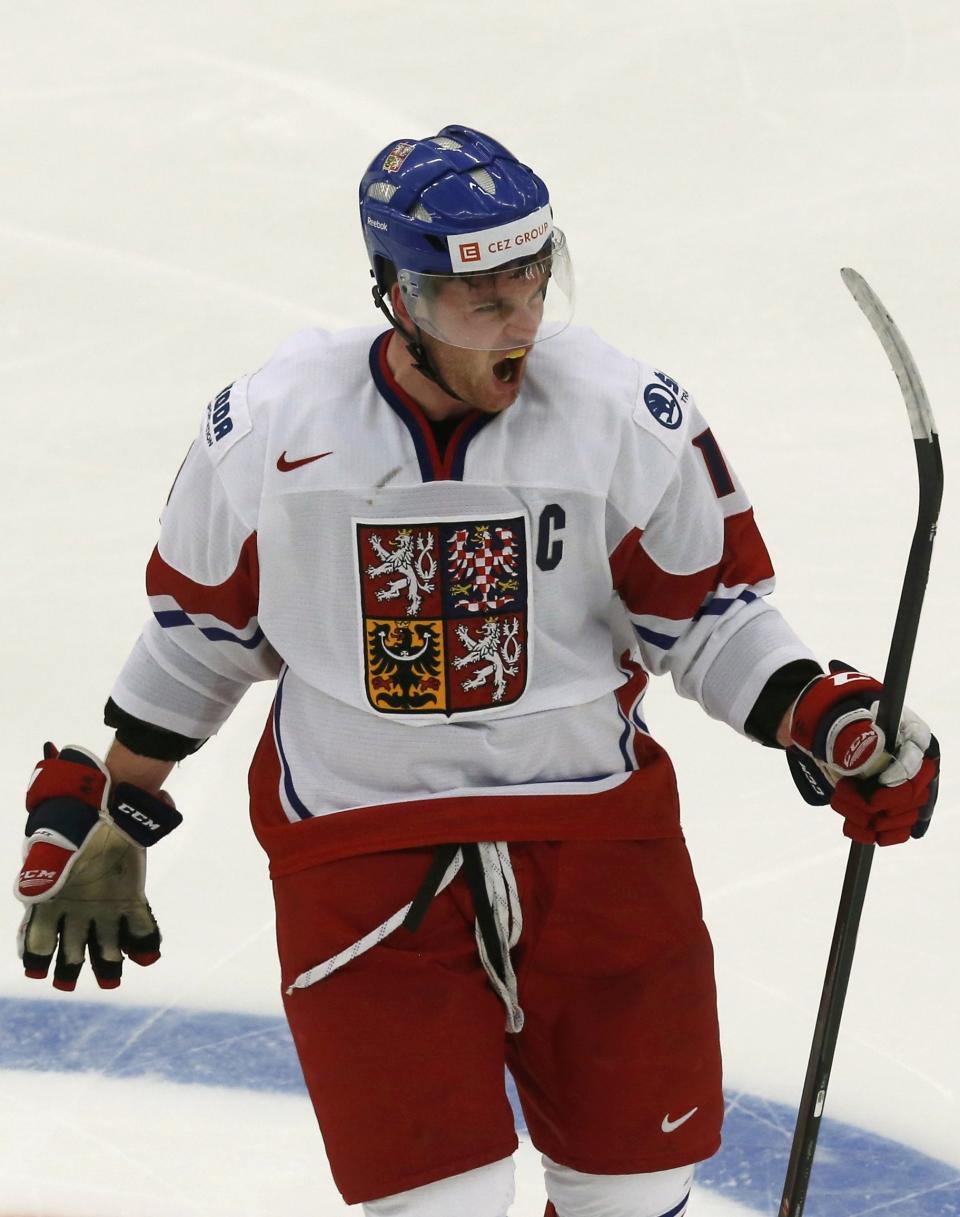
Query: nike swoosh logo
pixel 669 1125
pixel 285 466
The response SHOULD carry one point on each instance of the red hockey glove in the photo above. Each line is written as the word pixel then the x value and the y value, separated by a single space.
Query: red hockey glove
pixel 84 867
pixel 839 757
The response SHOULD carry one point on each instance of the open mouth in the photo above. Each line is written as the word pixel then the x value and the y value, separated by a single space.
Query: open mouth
pixel 507 369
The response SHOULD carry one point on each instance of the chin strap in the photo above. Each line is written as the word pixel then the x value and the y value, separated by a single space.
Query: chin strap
pixel 418 352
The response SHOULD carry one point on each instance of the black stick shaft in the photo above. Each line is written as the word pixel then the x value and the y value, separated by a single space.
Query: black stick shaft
pixel 860 859
pixel 930 477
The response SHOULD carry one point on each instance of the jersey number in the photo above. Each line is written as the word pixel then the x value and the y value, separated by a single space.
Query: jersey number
pixel 716 465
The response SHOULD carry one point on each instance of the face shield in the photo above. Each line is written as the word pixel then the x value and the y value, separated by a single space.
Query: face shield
pixel 511 306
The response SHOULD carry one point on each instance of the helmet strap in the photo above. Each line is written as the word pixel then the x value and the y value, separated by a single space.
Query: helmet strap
pixel 418 352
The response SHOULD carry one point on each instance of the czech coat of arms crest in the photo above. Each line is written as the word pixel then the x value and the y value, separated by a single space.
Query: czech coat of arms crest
pixel 444 610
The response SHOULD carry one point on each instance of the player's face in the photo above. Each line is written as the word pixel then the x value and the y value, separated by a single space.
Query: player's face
pixel 489 324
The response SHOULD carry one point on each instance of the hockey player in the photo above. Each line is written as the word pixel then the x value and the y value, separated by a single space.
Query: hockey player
pixel 461 547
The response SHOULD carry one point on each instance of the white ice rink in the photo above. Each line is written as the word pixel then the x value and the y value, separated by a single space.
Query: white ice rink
pixel 177 193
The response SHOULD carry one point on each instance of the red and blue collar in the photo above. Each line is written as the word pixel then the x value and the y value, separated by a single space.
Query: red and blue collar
pixel 434 465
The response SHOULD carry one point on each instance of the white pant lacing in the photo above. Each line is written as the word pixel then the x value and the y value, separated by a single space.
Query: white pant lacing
pixel 504 899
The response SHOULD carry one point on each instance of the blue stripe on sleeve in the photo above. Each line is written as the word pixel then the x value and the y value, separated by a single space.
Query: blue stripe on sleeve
pixel 718 605
pixel 170 619
pixel 218 635
pixel 663 641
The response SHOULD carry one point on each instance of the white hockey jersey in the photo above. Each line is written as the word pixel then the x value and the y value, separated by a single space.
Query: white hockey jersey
pixel 461 640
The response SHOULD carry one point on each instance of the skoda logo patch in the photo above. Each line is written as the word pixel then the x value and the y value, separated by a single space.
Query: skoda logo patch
pixel 663 406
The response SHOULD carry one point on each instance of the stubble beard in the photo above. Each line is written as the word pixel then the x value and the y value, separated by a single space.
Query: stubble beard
pixel 474 388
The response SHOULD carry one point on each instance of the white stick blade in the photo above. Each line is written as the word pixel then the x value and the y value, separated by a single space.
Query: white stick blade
pixel 922 423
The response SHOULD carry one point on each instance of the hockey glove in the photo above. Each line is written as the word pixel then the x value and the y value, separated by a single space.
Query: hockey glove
pixel 839 756
pixel 84 867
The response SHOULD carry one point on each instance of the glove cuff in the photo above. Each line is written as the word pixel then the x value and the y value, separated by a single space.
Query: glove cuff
pixel 70 793
pixel 142 817
pixel 74 774
pixel 834 720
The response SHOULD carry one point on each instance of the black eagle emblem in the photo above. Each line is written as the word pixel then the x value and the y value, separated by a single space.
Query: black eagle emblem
pixel 405 663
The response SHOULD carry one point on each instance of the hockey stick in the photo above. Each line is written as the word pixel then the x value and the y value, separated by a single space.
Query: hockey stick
pixel 930 476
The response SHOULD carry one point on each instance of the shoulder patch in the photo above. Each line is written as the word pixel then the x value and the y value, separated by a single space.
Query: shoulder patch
pixel 665 399
pixel 663 406
pixel 226 420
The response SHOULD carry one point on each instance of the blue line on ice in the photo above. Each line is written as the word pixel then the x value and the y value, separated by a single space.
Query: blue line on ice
pixel 859 1171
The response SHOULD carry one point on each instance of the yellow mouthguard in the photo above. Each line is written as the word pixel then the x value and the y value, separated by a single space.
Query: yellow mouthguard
pixel 517 354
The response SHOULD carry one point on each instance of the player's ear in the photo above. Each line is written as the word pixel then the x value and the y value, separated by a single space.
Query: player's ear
pixel 398 305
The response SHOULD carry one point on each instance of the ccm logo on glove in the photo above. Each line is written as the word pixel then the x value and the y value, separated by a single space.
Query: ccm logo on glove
pixel 138 824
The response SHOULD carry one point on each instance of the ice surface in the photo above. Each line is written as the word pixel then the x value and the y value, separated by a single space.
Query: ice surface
pixel 177 193
pixel 261 1155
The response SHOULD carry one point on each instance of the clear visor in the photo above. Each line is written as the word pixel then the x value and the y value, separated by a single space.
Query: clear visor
pixel 504 309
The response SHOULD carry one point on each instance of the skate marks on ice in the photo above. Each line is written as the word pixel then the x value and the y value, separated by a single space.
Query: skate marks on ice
pixel 857 1172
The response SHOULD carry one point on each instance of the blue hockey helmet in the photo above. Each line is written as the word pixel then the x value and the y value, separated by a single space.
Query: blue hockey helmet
pixel 458 204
